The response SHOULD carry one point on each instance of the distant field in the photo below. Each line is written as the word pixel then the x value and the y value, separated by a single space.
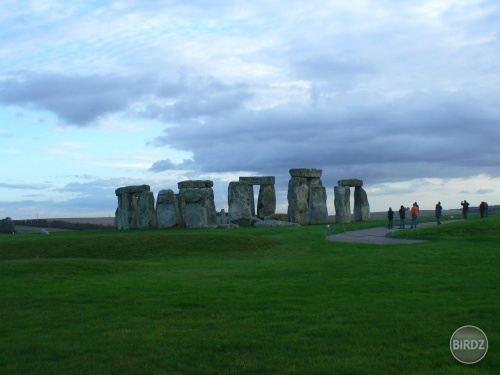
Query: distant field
pixel 89 220
pixel 247 301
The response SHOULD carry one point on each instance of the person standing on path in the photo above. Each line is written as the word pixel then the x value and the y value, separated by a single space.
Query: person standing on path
pixel 390 216
pixel 439 209
pixel 414 215
pixel 465 208
pixel 402 217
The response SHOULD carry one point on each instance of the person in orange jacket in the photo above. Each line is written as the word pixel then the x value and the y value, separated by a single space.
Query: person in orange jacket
pixel 414 215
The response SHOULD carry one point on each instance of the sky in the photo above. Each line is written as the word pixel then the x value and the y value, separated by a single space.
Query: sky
pixel 96 95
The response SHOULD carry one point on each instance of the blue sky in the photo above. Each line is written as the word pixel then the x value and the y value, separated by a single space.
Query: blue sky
pixel 95 95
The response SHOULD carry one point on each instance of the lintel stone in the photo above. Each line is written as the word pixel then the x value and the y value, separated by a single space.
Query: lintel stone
pixel 132 189
pixel 258 180
pixel 306 172
pixel 190 184
pixel 351 182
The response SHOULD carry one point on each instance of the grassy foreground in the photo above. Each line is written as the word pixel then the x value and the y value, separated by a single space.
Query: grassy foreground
pixel 247 301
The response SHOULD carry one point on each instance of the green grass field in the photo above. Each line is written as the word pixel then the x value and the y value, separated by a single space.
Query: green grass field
pixel 247 301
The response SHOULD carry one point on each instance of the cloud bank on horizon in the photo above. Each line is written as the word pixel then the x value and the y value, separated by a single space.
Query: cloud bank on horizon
pixel 101 94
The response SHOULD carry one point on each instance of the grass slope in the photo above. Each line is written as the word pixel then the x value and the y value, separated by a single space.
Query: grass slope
pixel 248 301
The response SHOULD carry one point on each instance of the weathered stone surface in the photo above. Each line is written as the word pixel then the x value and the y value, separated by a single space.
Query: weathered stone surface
pixel 195 216
pixel 306 172
pixel 192 195
pixel 239 203
pixel 266 203
pixel 189 184
pixel 258 180
pixel 132 189
pixel 222 217
pixel 203 212
pixel 298 200
pixel 208 201
pixel 342 201
pixel 167 210
pixel 274 223
pixel 352 182
pixel 361 205
pixel 146 213
pixel 126 213
pixel 318 212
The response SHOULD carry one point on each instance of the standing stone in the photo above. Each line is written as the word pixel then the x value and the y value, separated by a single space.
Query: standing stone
pixel 298 200
pixel 306 197
pixel 342 203
pixel 146 213
pixel 361 205
pixel 318 213
pixel 195 212
pixel 222 217
pixel 208 201
pixel 240 209
pixel 266 203
pixel 167 210
pixel 196 204
pixel 128 215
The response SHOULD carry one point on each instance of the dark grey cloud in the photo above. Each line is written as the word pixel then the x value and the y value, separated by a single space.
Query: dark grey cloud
pixel 75 99
pixel 438 134
pixel 197 97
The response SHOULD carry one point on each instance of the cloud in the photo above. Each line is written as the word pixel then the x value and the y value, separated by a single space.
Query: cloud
pixel 167 164
pixel 484 191
pixel 25 186
pixel 196 97
pixel 424 134
pixel 76 99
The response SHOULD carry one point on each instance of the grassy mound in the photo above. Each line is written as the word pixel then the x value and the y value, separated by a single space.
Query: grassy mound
pixel 271 300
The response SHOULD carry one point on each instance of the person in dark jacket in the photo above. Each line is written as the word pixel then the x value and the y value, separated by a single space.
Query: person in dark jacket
pixel 402 217
pixel 390 216
pixel 482 208
pixel 439 209
pixel 465 208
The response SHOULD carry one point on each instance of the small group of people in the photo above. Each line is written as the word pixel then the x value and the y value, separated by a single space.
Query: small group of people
pixel 402 216
pixel 415 212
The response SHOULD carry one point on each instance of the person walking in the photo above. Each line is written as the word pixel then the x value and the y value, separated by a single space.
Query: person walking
pixel 414 215
pixel 390 216
pixel 465 208
pixel 402 217
pixel 439 209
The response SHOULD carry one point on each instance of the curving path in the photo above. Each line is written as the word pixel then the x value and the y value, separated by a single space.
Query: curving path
pixel 379 235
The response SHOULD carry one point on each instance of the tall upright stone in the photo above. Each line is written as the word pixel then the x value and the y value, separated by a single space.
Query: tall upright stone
pixel 266 203
pixel 342 203
pixel 318 213
pixel 196 204
pixel 240 209
pixel 306 197
pixel 298 200
pixel 146 213
pixel 135 208
pixel 361 205
pixel 167 210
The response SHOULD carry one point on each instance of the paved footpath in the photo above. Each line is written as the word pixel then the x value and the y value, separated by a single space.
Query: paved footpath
pixel 379 235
